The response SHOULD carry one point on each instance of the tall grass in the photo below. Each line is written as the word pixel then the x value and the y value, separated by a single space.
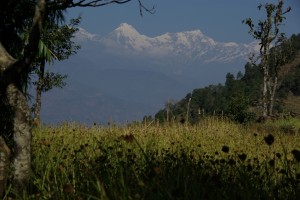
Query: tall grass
pixel 215 159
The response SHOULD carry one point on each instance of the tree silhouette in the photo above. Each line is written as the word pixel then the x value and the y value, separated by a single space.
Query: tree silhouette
pixel 16 58
pixel 267 32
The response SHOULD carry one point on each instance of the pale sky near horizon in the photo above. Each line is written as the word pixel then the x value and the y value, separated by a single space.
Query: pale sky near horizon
pixel 219 19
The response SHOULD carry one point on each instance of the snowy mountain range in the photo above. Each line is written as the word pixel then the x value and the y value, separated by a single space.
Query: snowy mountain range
pixel 193 45
pixel 125 75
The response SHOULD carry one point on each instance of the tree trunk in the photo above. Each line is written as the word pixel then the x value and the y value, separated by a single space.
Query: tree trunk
pixel 4 164
pixel 21 126
pixel 272 95
pixel 265 88
pixel 188 110
pixel 6 60
pixel 22 138
pixel 10 72
pixel 265 107
pixel 266 77
pixel 39 88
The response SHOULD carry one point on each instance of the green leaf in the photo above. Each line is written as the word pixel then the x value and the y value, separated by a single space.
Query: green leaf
pixel 44 53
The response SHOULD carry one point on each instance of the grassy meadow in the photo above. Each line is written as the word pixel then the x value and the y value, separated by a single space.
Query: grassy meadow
pixel 215 159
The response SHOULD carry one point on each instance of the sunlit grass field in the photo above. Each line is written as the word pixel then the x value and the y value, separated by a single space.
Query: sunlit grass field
pixel 215 159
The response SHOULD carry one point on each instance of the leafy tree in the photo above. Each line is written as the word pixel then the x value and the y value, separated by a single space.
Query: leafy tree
pixel 16 58
pixel 238 109
pixel 267 32
pixel 233 86
pixel 55 44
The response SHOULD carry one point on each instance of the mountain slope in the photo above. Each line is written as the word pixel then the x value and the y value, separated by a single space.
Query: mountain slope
pixel 240 97
pixel 136 74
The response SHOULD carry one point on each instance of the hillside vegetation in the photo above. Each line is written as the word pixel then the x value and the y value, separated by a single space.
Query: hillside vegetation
pixel 214 159
pixel 240 97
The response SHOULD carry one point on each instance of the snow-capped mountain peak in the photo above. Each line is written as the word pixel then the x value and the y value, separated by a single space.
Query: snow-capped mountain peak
pixel 191 45
pixel 126 31
pixel 83 34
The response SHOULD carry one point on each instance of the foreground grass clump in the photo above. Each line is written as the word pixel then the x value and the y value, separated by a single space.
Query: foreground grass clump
pixel 215 159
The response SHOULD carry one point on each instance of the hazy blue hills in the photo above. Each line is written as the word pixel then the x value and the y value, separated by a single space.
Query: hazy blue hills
pixel 126 75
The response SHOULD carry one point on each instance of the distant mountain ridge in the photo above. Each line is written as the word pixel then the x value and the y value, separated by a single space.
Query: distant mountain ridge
pixel 193 45
pixel 125 75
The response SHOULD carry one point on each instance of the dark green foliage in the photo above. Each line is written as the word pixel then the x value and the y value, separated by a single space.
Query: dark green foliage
pixel 231 100
pixel 15 18
pixel 252 80
pixel 291 83
pixel 237 109
pixel 295 42
pixel 52 80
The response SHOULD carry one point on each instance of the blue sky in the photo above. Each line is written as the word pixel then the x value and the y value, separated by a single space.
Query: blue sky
pixel 219 19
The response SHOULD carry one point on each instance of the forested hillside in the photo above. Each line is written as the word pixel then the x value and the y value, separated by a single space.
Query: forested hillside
pixel 239 98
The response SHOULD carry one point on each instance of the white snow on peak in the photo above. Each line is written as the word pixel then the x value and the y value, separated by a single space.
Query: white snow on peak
pixel 194 33
pixel 231 44
pixel 165 38
pixel 182 39
pixel 127 30
pixel 82 34
pixel 189 44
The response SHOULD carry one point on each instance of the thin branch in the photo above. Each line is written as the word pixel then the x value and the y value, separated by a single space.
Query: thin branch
pixel 142 7
pixel 98 3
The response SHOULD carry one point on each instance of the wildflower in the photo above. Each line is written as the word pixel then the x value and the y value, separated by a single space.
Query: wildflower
pixel 222 161
pixel 282 171
pixel 278 155
pixel 141 183
pixel 296 154
pixel 256 173
pixel 242 157
pixel 231 162
pixel 128 138
pixel 225 149
pixel 249 167
pixel 69 189
pixel 269 139
pixel 157 170
pixel 272 163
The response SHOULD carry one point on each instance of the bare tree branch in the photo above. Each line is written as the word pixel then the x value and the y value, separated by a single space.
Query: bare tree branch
pixel 96 3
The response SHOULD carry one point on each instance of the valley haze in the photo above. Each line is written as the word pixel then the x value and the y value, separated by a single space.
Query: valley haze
pixel 124 75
